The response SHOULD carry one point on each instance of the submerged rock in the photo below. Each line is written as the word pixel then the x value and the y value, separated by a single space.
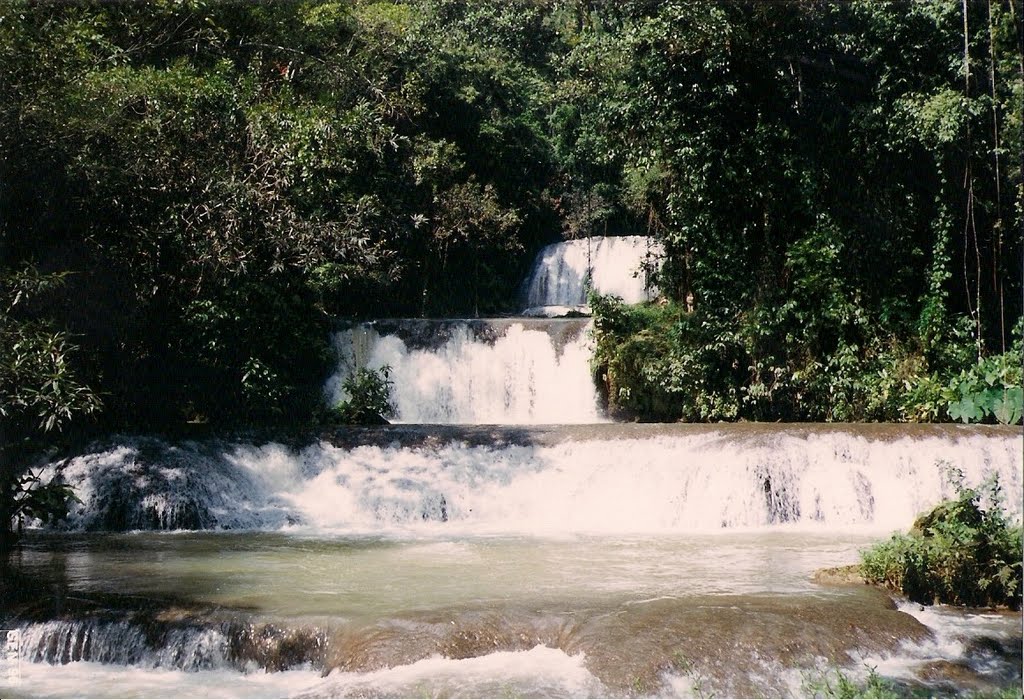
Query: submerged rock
pixel 849 575
pixel 144 483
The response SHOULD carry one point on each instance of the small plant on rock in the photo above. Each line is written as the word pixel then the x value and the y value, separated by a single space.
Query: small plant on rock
pixel 369 401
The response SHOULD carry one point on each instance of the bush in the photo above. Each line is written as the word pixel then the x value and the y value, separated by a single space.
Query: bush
pixel 46 502
pixel 369 401
pixel 665 362
pixel 961 552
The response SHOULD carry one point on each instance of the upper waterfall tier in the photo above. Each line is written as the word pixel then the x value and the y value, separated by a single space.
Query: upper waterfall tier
pixel 508 371
pixel 564 272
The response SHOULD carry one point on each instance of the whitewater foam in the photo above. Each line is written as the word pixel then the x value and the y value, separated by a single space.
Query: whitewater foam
pixel 539 672
pixel 511 374
pixel 704 481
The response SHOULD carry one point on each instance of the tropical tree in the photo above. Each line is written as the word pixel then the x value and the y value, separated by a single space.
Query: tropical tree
pixel 40 394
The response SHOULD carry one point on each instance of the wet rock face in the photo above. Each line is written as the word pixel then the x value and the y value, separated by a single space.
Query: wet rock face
pixel 458 636
pixel 841 576
pixel 274 648
pixel 177 640
pixel 780 503
pixel 149 484
pixel 735 646
pixel 124 640
pixel 431 334
pixel 143 498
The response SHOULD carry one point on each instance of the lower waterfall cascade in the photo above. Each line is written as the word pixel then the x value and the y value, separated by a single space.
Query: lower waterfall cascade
pixel 481 561
pixel 645 479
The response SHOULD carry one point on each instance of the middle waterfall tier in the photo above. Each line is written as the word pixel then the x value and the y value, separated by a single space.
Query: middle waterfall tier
pixel 500 371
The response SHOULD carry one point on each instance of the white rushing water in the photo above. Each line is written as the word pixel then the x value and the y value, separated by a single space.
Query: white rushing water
pixel 570 659
pixel 123 643
pixel 593 560
pixel 500 371
pixel 99 680
pixel 478 373
pixel 704 480
pixel 539 672
pixel 564 272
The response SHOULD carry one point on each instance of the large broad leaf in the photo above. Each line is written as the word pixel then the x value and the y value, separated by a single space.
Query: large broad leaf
pixel 965 410
pixel 1010 407
pixel 988 400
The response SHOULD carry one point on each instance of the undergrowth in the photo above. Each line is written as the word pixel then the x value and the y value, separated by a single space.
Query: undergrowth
pixel 836 684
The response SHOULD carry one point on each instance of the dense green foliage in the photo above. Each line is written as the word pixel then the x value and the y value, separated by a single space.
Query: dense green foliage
pixel 660 362
pixel 839 191
pixel 224 178
pixel 837 187
pixel 963 552
pixel 40 394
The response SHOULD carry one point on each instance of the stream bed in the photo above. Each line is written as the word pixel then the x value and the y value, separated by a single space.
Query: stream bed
pixel 282 614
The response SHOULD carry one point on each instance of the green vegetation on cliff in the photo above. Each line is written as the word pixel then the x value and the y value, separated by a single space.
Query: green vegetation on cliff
pixel 659 362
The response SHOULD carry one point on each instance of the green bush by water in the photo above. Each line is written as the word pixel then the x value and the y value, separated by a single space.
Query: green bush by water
pixel 990 390
pixel 369 401
pixel 965 551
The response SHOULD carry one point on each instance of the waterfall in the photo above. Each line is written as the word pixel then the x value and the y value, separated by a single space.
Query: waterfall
pixel 484 371
pixel 504 371
pixel 636 479
pixel 563 272
pixel 561 560
pixel 191 645
pixel 505 540
pixel 122 642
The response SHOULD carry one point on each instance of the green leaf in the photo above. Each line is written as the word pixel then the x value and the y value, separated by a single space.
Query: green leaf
pixel 965 410
pixel 987 400
pixel 1010 406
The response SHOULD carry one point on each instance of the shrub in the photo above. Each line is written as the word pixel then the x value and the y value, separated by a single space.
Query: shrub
pixel 964 551
pixel 369 401
pixel 46 502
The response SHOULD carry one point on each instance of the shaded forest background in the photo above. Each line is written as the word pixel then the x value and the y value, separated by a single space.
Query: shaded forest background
pixel 190 192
